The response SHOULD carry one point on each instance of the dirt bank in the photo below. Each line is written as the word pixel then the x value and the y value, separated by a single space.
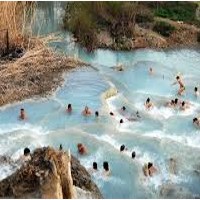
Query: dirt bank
pixel 37 72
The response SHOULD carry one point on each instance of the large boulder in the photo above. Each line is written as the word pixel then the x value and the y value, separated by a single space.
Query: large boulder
pixel 49 174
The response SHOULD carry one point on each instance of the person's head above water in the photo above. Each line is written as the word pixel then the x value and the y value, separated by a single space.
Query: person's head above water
pixel 121 121
pixel 105 166
pixel 150 165
pixel 96 113
pixel 122 148
pixel 195 120
pixel 69 106
pixel 176 101
pixel 195 89
pixel 123 108
pixel 177 77
pixel 133 154
pixel 183 103
pixel 148 100
pixel 95 165
pixel 111 113
pixel 27 151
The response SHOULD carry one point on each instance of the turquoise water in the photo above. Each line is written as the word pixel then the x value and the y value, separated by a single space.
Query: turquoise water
pixel 160 134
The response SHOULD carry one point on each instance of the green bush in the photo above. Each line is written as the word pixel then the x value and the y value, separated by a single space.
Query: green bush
pixel 163 28
pixel 179 11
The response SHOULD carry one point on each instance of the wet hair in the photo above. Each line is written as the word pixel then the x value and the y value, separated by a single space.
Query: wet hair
pixel 22 109
pixel 94 165
pixel 148 100
pixel 177 77
pixel 195 120
pixel 176 101
pixel 133 154
pixel 111 113
pixel 183 103
pixel 69 106
pixel 172 101
pixel 27 151
pixel 121 121
pixel 123 108
pixel 105 166
pixel 195 89
pixel 122 148
pixel 61 147
pixel 150 165
pixel 96 113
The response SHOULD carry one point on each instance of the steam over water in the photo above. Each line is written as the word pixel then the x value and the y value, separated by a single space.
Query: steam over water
pixel 159 135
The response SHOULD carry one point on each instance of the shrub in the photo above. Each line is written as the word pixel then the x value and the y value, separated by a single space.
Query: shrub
pixel 181 11
pixel 163 28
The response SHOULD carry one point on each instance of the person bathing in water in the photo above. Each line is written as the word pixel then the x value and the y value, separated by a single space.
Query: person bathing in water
pixel 196 121
pixel 22 115
pixel 196 92
pixel 171 104
pixel 106 168
pixel 184 105
pixel 149 169
pixel 123 148
pixel 69 108
pixel 86 111
pixel 181 85
pixel 148 104
pixel 82 150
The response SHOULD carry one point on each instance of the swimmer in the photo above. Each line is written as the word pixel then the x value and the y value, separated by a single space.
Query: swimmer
pixel 107 171
pixel 123 108
pixel 27 155
pixel 148 104
pixel 196 92
pixel 196 121
pixel 171 103
pixel 177 102
pixel 121 121
pixel 149 169
pixel 150 70
pixel 22 114
pixel 81 149
pixel 86 111
pixel 181 85
pixel 69 108
pixel 96 114
pixel 184 105
pixel 133 154
pixel 123 148
pixel 111 113
pixel 95 166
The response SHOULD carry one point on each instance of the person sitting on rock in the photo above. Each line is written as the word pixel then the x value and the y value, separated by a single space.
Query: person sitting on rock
pixel 86 111
pixel 106 168
pixel 81 149
pixel 148 104
pixel 69 108
pixel 22 115
pixel 27 155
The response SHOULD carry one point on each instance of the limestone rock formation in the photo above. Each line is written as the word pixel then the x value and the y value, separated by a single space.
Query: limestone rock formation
pixel 49 174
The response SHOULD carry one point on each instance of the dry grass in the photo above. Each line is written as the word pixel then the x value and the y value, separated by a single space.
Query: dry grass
pixel 14 17
pixel 38 72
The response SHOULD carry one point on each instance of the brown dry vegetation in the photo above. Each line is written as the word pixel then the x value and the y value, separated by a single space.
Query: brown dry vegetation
pixel 38 72
pixel 14 18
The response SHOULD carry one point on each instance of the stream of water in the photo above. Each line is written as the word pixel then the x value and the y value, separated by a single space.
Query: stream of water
pixel 161 133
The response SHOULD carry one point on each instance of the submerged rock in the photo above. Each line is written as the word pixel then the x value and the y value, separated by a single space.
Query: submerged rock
pixel 48 175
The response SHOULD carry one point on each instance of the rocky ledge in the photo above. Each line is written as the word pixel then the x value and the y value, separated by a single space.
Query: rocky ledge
pixel 50 174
